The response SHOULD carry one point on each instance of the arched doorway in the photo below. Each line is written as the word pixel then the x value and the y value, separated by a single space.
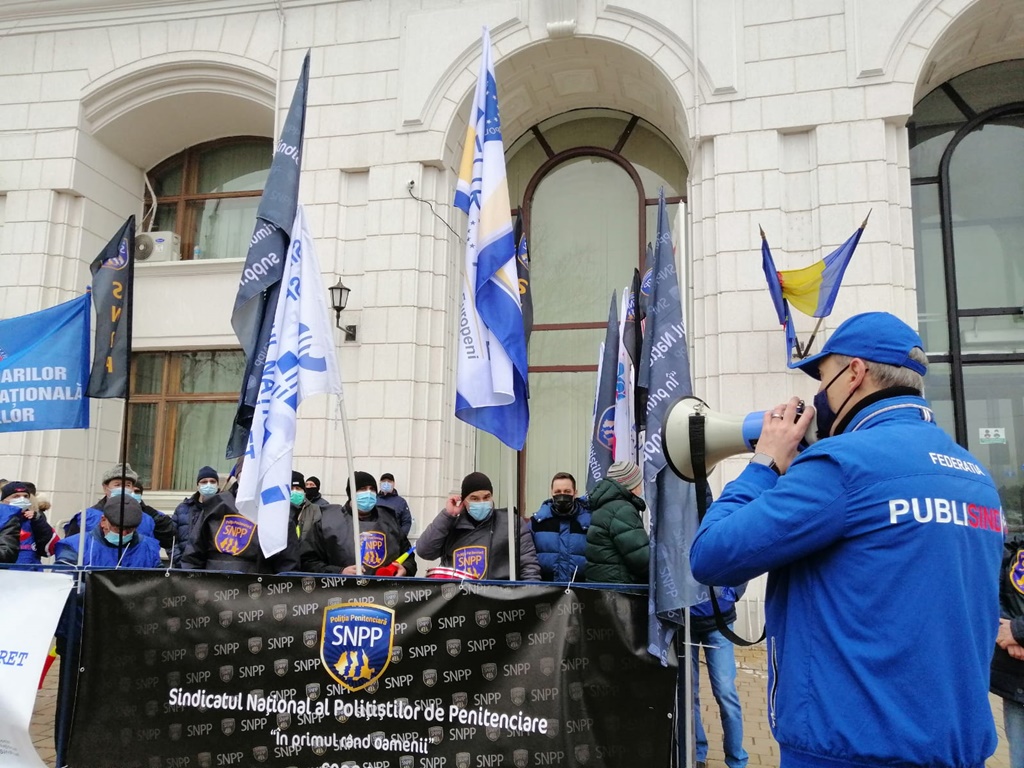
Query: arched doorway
pixel 967 172
pixel 586 183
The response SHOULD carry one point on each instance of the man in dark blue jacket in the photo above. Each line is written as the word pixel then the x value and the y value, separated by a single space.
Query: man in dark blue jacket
pixel 186 515
pixel 115 542
pixel 560 532
pixel 387 496
pixel 883 518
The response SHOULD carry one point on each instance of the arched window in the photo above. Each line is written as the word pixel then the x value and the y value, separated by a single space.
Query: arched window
pixel 208 195
pixel 587 184
pixel 967 171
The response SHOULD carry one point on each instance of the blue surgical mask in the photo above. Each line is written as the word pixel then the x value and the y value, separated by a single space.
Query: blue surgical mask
pixel 20 503
pixel 137 496
pixel 206 490
pixel 824 416
pixel 297 498
pixel 366 500
pixel 116 538
pixel 479 510
pixel 386 487
pixel 115 492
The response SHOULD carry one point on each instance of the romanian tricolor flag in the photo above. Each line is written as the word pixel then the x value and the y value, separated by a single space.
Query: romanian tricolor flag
pixel 812 290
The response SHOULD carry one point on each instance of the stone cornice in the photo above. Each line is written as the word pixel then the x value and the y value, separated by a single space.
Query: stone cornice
pixel 28 16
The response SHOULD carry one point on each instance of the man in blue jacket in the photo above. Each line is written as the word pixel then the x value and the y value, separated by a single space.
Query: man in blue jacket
pixel 883 518
pixel 559 530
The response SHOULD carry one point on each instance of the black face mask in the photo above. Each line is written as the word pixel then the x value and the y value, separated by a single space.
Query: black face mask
pixel 824 416
pixel 563 503
pixel 313 494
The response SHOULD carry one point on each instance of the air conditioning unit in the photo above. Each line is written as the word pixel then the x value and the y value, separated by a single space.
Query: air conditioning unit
pixel 157 246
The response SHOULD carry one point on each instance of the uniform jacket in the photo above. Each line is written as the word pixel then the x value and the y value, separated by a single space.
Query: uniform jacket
pixel 141 552
pixel 155 523
pixel 1007 673
pixel 400 507
pixel 618 547
pixel 889 513
pixel 225 540
pixel 478 548
pixel 561 542
pixel 327 546
pixel 185 518
pixel 10 533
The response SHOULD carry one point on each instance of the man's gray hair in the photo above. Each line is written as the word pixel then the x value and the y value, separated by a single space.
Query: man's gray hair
pixel 893 375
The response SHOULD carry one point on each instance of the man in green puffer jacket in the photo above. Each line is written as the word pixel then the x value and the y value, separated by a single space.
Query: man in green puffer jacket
pixel 618 548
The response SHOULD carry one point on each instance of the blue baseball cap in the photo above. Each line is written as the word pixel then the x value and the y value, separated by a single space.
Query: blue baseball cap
pixel 878 337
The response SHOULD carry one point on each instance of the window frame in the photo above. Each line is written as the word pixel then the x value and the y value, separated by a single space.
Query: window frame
pixel 186 201
pixel 165 423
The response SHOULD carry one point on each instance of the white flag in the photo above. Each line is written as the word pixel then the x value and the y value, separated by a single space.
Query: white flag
pixel 300 362
pixel 31 604
pixel 625 418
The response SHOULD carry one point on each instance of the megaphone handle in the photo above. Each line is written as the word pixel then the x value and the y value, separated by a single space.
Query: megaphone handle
pixel 699 463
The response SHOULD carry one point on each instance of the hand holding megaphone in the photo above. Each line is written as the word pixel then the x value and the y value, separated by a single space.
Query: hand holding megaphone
pixel 784 432
pixel 781 433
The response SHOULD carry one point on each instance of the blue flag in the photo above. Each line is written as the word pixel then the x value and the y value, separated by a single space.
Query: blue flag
pixel 491 388
pixel 602 435
pixel 44 368
pixel 260 284
pixel 670 499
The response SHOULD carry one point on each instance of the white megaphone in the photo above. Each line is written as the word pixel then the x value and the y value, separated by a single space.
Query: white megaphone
pixel 724 435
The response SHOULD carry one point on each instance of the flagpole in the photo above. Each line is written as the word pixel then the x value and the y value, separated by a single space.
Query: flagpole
pixel 513 513
pixel 130 310
pixel 85 486
pixel 807 346
pixel 351 481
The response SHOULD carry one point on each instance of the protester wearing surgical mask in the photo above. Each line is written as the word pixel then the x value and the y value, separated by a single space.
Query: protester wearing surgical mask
pixel 37 537
pixel 618 547
pixel 118 480
pixel 303 511
pixel 388 497
pixel 878 533
pixel 186 514
pixel 116 541
pixel 559 530
pixel 328 546
pixel 471 535
pixel 225 539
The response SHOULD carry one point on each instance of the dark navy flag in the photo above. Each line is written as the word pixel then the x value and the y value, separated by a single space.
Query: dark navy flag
pixel 670 499
pixel 44 368
pixel 523 271
pixel 260 283
pixel 113 283
pixel 602 437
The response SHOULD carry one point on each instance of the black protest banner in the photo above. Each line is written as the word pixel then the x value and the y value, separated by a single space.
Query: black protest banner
pixel 192 670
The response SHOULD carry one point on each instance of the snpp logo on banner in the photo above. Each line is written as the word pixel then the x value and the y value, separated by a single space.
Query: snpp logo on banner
pixel 356 643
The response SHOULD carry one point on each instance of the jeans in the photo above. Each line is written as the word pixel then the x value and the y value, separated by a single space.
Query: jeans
pixel 718 653
pixel 1013 721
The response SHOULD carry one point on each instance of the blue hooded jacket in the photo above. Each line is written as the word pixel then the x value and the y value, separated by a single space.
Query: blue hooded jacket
pixel 141 552
pixel 561 542
pixel 889 514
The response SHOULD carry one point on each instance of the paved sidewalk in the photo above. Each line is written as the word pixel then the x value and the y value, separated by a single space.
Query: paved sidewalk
pixel 751 680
